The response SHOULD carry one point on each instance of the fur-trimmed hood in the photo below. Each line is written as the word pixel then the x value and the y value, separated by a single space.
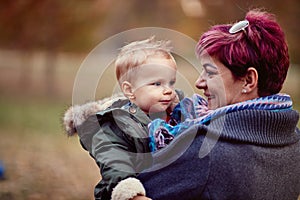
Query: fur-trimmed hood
pixel 77 114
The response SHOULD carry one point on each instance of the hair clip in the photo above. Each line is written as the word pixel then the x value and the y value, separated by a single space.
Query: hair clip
pixel 239 26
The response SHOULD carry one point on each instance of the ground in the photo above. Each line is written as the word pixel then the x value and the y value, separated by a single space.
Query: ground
pixel 40 161
pixel 45 167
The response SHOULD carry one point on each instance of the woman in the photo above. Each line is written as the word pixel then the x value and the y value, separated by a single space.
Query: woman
pixel 248 145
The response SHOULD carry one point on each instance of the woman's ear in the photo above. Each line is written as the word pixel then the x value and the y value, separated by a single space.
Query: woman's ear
pixel 127 90
pixel 251 80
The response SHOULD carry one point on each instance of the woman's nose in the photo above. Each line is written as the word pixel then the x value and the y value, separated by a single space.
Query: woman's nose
pixel 200 82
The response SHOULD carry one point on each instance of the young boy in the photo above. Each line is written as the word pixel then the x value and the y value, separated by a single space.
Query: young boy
pixel 117 137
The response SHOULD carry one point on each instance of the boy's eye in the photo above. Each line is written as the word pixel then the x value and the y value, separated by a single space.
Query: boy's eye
pixel 172 83
pixel 156 83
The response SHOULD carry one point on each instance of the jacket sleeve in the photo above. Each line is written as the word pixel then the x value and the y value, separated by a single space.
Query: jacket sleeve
pixel 118 147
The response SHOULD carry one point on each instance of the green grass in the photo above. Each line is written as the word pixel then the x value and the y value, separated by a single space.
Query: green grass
pixel 31 115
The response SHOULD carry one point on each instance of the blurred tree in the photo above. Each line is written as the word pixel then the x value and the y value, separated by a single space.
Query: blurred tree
pixel 56 25
pixel 50 25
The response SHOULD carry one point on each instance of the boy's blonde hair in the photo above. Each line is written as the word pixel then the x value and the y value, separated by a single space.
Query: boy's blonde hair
pixel 136 53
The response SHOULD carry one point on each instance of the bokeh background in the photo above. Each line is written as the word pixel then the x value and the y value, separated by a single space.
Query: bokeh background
pixel 42 45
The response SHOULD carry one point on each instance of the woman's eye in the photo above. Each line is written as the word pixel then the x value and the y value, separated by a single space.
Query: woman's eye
pixel 210 73
pixel 209 70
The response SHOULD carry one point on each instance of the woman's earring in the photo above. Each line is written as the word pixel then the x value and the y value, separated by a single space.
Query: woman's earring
pixel 244 91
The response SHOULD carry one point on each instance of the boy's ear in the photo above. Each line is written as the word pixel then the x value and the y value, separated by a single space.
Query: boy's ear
pixel 127 89
pixel 251 80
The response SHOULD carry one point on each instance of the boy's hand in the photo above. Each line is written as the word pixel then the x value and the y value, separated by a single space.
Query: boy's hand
pixel 173 104
pixel 140 198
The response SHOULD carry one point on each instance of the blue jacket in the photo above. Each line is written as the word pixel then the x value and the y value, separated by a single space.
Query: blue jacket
pixel 250 154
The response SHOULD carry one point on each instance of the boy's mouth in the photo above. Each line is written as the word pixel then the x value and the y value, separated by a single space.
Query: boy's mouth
pixel 210 97
pixel 165 101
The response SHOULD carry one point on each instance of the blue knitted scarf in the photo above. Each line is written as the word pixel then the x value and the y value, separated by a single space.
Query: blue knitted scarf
pixel 194 111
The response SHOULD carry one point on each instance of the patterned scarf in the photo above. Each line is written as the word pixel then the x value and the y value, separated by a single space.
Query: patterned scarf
pixel 194 111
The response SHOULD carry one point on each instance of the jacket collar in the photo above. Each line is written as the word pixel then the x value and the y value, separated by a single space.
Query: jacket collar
pixel 258 126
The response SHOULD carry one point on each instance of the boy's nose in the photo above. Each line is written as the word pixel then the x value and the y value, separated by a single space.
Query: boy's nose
pixel 167 90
